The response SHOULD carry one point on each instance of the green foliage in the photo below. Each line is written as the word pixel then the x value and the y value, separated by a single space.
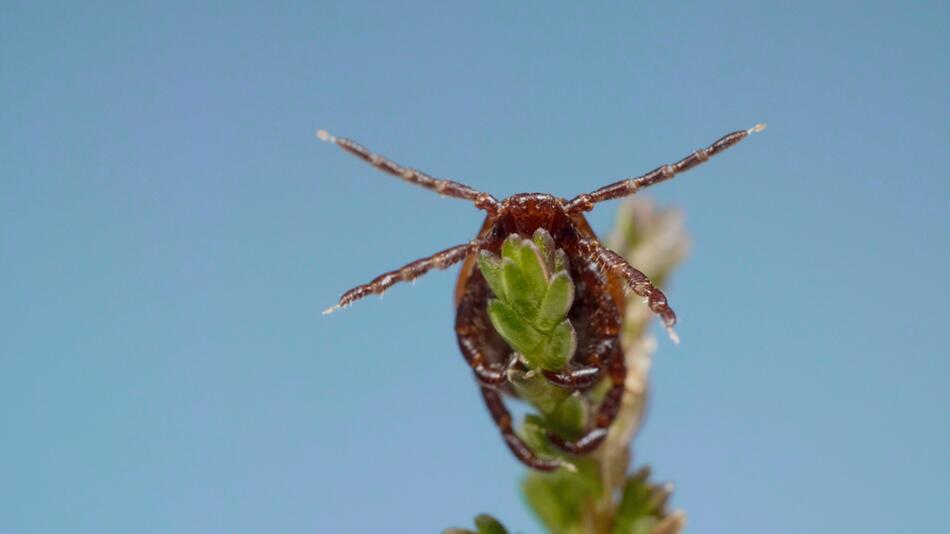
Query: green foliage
pixel 485 524
pixel 533 293
pixel 561 499
pixel 642 505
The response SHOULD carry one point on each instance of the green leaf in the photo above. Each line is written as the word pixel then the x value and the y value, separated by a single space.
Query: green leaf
pixel 556 302
pixel 545 243
pixel 644 525
pixel 534 432
pixel 485 523
pixel 560 499
pixel 536 390
pixel 569 417
pixel 532 264
pixel 490 266
pixel 642 505
pixel 489 525
pixel 511 247
pixel 561 262
pixel 521 336
pixel 553 503
pixel 559 348
pixel 518 290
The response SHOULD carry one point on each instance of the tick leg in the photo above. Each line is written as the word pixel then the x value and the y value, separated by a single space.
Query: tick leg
pixel 439 260
pixel 606 413
pixel 585 201
pixel 491 374
pixel 472 329
pixel 520 449
pixel 638 282
pixel 583 376
pixel 447 188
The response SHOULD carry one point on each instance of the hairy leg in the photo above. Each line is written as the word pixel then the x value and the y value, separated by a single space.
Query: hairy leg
pixel 447 188
pixel 439 260
pixel 585 201
pixel 502 418
pixel 587 373
pixel 635 280
pixel 606 412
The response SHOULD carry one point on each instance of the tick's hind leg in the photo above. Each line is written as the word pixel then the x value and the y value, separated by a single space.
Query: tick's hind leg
pixel 439 260
pixel 606 413
pixel 520 449
pixel 583 376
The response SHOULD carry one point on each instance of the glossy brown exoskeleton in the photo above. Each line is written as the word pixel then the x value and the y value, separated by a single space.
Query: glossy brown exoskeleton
pixel 601 278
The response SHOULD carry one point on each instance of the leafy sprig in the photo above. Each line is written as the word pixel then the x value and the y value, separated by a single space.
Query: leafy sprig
pixel 533 295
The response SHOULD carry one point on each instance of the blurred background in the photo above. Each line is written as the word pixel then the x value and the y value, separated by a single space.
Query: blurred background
pixel 170 231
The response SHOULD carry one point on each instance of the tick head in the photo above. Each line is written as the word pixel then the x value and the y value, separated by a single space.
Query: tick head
pixel 530 211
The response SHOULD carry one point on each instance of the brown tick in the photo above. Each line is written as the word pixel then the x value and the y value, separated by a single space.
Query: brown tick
pixel 601 278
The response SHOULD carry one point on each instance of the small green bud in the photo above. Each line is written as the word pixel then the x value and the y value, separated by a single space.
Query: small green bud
pixel 532 265
pixel 519 334
pixel 560 346
pixel 518 291
pixel 509 249
pixel 545 243
pixel 534 388
pixel 490 266
pixel 534 432
pixel 569 417
pixel 556 302
pixel 489 525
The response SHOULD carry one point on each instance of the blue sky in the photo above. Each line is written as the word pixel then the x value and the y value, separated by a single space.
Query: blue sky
pixel 170 231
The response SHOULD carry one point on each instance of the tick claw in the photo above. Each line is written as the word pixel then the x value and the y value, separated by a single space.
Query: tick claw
pixel 674 337
pixel 568 466
pixel 331 309
pixel 324 135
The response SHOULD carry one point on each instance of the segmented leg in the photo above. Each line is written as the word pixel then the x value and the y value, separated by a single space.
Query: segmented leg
pixel 491 374
pixel 581 377
pixel 503 420
pixel 585 201
pixel 439 260
pixel 637 282
pixel 448 188
pixel 474 333
pixel 606 413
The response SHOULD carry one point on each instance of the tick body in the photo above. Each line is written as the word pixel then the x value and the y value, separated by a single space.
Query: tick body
pixel 601 279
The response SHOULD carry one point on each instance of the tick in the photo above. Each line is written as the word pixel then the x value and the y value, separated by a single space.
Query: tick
pixel 601 279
